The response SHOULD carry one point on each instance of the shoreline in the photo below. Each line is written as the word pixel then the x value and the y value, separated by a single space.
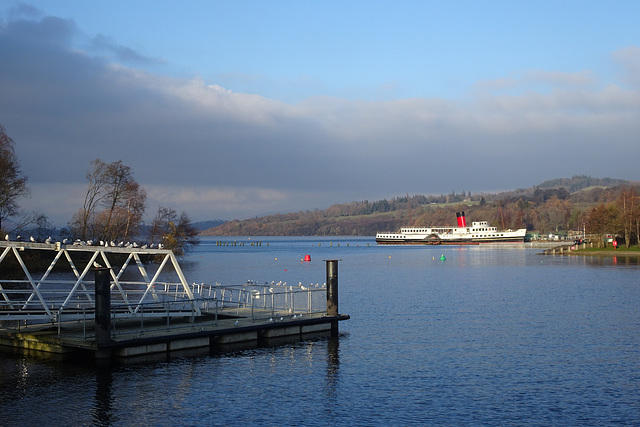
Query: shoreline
pixel 604 252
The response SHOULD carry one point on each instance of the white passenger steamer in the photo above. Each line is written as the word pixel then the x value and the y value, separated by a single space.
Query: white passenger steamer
pixel 479 232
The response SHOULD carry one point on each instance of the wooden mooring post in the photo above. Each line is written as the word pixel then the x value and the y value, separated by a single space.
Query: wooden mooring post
pixel 332 292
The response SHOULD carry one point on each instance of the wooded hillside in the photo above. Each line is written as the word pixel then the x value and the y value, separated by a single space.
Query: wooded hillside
pixel 551 207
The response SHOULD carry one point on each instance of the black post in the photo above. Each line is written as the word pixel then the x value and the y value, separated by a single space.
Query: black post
pixel 332 287
pixel 103 307
pixel 332 292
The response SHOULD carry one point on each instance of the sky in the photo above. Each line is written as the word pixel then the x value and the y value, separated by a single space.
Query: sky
pixel 236 109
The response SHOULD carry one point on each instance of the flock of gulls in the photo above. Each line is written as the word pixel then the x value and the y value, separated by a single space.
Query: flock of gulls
pixel 300 286
pixel 79 242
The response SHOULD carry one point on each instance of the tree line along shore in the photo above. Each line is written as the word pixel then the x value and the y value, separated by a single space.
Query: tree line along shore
pixel 565 208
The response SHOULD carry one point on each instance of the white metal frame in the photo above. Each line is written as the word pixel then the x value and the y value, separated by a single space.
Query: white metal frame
pixel 37 306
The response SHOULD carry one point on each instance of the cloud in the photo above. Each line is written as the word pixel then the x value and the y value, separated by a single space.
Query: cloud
pixel 207 202
pixel 23 10
pixel 629 59
pixel 102 43
pixel 538 81
pixel 197 146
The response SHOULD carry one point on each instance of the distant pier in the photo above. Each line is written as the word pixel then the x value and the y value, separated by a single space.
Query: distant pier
pixel 567 248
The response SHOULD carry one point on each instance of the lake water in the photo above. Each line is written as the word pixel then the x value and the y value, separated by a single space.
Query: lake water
pixel 491 336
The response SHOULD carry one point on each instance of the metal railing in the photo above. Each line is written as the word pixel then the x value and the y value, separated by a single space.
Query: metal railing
pixel 266 298
pixel 254 303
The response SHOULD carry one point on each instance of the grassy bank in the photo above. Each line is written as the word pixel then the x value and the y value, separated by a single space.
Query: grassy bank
pixel 609 251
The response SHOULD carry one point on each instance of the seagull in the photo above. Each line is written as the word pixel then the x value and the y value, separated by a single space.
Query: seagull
pixel 235 323
pixel 271 290
pixel 6 237
pixel 96 265
pixel 64 241
pixel 32 239
pixel 48 240
pixel 270 320
pixel 303 288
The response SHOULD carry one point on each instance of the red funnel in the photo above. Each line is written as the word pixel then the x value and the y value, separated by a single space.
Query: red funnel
pixel 462 221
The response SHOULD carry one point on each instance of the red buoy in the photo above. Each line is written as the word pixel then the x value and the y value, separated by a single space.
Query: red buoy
pixel 307 258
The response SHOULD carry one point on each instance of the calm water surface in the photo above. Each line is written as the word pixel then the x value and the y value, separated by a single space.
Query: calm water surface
pixel 491 336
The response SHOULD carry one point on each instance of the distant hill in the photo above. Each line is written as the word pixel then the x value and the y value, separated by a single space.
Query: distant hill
pixel 528 208
pixel 204 225
pixel 580 182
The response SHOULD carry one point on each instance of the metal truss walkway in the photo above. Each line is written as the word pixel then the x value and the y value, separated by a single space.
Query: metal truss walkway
pixel 66 291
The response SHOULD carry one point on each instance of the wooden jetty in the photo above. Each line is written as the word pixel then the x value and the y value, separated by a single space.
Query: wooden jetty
pixel 71 338
pixel 111 318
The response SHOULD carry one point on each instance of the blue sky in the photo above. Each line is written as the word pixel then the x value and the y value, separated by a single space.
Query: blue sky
pixel 237 109
pixel 370 50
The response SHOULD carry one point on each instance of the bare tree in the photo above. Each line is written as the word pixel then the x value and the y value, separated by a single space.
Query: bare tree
pixel 118 177
pixel 173 231
pixel 627 212
pixel 83 219
pixel 13 183
pixel 602 219
pixel 111 186
pixel 134 207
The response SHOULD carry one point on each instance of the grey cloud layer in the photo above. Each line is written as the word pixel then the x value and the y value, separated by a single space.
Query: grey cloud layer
pixel 242 154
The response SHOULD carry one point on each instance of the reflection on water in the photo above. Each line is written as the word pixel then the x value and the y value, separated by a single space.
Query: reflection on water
pixel 492 335
pixel 101 413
